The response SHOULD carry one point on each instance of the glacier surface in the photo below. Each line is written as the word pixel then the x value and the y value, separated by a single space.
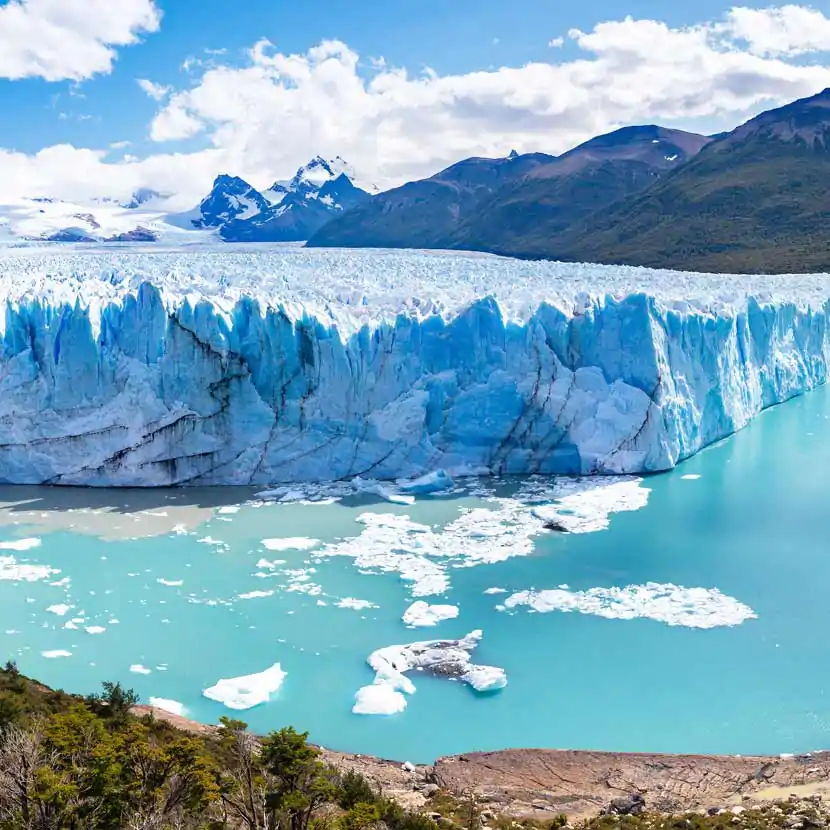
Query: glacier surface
pixel 279 365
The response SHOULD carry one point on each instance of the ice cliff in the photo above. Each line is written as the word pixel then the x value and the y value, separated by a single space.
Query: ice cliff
pixel 136 369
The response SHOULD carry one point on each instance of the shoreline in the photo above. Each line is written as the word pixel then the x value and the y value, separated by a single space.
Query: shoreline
pixel 542 783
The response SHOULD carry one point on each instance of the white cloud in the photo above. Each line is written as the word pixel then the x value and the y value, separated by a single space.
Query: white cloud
pixel 788 30
pixel 263 119
pixel 158 92
pixel 69 39
pixel 556 42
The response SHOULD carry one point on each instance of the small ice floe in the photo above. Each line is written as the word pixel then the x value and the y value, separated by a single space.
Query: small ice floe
pixel 429 483
pixel 586 505
pixel 95 629
pixel 247 691
pixel 264 564
pixel 20 545
pixel 60 610
pixel 13 571
pixel 229 508
pixel 443 658
pixel 383 491
pixel 171 583
pixel 137 668
pixel 355 604
pixel 496 591
pixel 52 655
pixel 294 543
pixel 256 595
pixel 670 604
pixel 421 614
pixel 690 477
pixel 172 706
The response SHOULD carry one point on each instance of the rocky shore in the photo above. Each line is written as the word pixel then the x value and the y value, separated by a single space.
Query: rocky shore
pixel 541 784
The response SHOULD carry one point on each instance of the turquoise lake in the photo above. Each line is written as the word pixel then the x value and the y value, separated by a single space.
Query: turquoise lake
pixel 746 520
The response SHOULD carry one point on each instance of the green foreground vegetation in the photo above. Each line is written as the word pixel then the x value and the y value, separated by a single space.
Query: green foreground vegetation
pixel 71 763
pixel 75 763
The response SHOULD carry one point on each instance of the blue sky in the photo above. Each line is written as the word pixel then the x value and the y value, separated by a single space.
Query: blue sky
pixel 70 71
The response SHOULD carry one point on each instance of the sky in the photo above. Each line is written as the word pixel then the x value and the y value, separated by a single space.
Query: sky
pixel 100 97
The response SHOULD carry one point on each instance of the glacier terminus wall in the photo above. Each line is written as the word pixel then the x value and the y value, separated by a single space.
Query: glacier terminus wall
pixel 139 369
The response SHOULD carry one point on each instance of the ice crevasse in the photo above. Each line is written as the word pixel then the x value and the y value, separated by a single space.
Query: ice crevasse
pixel 140 391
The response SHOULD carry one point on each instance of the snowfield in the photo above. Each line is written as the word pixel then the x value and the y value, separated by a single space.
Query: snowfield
pixel 276 364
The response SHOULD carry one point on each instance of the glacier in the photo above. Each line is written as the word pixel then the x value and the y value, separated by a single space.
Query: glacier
pixel 278 364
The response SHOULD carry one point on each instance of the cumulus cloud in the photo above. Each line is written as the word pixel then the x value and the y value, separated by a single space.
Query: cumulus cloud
pixel 264 118
pixel 158 92
pixel 69 39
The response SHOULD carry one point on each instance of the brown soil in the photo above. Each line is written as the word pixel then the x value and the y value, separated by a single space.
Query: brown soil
pixel 542 782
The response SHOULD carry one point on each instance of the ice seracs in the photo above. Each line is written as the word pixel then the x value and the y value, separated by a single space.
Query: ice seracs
pixel 261 369
pixel 442 658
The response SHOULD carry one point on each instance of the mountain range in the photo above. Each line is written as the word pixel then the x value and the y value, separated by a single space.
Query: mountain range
pixel 288 211
pixel 753 199
pixel 750 200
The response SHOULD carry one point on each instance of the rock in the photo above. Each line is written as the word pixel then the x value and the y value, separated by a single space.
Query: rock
pixel 712 811
pixel 408 766
pixel 737 810
pixel 429 790
pixel 630 805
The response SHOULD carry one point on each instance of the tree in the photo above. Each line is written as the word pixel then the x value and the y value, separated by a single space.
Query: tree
pixel 302 783
pixel 243 785
pixel 115 702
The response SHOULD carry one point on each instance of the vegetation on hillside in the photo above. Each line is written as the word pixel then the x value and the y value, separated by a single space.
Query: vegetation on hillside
pixel 70 763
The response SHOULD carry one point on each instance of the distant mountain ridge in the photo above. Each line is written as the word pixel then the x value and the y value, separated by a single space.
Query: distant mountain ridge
pixel 425 213
pixel 288 211
pixel 754 200
pixel 495 204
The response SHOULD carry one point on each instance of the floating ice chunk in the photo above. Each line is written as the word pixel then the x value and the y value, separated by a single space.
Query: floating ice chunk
pixel 378 699
pixel 95 629
pixel 421 614
pixel 355 604
pixel 264 563
pixel 429 483
pixel 52 655
pixel 496 591
pixel 295 543
pixel 690 477
pixel 13 571
pixel 137 668
pixel 247 691
pixel 172 706
pixel 171 583
pixel 585 505
pixel 443 658
pixel 60 610
pixel 667 603
pixel 256 595
pixel 383 491
pixel 61 583
pixel 71 625
pixel 229 508
pixel 485 678
pixel 20 545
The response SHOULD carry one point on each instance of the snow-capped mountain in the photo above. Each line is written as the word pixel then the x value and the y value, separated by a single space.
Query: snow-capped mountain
pixel 230 198
pixel 289 211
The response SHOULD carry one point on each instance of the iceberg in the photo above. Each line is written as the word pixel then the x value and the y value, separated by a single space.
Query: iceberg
pixel 442 658
pixel 248 691
pixel 421 614
pixel 281 367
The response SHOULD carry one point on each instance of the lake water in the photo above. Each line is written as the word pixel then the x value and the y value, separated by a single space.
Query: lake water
pixel 170 591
